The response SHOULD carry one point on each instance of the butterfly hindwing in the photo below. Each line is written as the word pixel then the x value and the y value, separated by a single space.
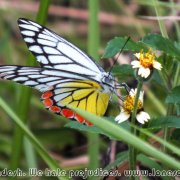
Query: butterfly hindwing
pixel 83 94
pixel 38 78
pixel 60 90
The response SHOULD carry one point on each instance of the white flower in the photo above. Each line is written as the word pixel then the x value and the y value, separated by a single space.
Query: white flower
pixel 128 105
pixel 133 93
pixel 123 116
pixel 145 63
pixel 142 117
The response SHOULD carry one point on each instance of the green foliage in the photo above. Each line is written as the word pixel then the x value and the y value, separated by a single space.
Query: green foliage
pixel 24 100
pixel 37 144
pixel 174 96
pixel 115 45
pixel 166 97
pixel 119 133
pixel 160 122
pixel 168 50
pixel 158 42
pixel 121 157
pixel 124 70
pixel 151 164
pixel 94 129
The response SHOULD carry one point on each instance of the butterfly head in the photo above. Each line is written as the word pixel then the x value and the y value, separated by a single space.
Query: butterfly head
pixel 108 82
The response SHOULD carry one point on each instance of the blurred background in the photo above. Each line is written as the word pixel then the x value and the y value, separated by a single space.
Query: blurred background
pixel 69 19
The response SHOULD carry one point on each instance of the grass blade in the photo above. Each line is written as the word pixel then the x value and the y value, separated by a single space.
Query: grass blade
pixel 39 147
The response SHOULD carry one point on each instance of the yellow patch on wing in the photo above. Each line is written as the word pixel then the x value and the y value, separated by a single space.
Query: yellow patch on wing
pixel 102 103
pixel 81 93
pixel 86 95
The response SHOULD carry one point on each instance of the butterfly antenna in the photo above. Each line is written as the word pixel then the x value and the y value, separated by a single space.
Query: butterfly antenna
pixel 119 54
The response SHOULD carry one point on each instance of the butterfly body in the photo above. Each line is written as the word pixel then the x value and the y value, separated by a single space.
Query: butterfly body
pixel 66 76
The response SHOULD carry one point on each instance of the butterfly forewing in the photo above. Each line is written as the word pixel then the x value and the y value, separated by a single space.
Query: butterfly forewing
pixel 53 51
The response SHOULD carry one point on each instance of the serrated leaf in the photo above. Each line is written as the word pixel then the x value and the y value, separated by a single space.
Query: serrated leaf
pixel 123 70
pixel 169 121
pixel 115 45
pixel 174 96
pixel 158 42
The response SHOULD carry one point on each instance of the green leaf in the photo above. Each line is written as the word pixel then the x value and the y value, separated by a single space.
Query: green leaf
pixel 123 70
pixel 145 160
pixel 176 137
pixel 35 142
pixel 177 45
pixel 114 46
pixel 169 121
pixel 82 127
pixel 119 133
pixel 94 129
pixel 157 78
pixel 178 109
pixel 158 42
pixel 121 157
pixel 148 162
pixel 174 96
pixel 166 144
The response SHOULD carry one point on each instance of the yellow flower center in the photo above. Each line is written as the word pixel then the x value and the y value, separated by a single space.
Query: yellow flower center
pixel 128 104
pixel 147 59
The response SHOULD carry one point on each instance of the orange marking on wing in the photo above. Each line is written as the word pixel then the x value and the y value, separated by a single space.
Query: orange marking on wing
pixel 79 118
pixel 67 113
pixel 46 95
pixel 55 109
pixel 89 123
pixel 48 103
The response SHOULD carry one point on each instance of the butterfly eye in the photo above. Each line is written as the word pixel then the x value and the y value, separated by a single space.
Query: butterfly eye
pixel 108 79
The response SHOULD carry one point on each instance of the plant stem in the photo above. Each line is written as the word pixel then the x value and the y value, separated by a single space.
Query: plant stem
pixel 164 33
pixel 132 151
pixel 93 46
pixel 161 23
pixel 24 102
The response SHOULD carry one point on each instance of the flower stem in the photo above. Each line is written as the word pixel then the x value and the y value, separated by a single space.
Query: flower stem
pixel 132 151
pixel 170 107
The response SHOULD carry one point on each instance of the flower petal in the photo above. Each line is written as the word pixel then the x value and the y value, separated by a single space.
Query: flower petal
pixel 144 72
pixel 123 116
pixel 141 96
pixel 142 117
pixel 147 73
pixel 135 64
pixel 157 65
pixel 137 55
pixel 141 71
pixel 132 92
pixel 146 115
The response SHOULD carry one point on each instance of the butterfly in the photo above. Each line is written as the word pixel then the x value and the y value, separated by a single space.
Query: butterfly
pixel 66 76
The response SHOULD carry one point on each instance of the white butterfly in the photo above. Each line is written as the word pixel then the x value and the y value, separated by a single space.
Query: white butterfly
pixel 66 76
